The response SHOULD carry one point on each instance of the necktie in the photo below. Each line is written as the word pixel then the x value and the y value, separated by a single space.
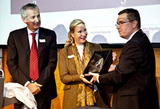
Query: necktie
pixel 34 71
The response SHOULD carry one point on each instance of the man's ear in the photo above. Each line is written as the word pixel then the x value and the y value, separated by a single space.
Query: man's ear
pixel 135 24
pixel 24 20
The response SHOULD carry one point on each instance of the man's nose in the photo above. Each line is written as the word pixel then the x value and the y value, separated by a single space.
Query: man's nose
pixel 117 26
pixel 37 19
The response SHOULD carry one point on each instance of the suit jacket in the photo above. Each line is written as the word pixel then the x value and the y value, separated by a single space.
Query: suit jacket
pixel 69 75
pixel 134 77
pixel 18 60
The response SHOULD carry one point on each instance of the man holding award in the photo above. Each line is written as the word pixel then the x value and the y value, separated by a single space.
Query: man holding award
pixel 133 78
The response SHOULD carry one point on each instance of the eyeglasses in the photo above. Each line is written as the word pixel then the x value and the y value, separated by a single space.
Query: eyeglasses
pixel 121 22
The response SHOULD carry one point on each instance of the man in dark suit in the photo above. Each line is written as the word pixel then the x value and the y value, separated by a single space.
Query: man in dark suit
pixel 133 78
pixel 19 52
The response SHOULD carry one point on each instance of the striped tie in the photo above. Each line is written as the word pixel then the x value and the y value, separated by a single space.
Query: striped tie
pixel 34 71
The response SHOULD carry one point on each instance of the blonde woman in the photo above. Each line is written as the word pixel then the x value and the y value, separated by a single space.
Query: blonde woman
pixel 74 57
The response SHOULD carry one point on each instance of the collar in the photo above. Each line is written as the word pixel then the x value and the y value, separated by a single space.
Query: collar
pixel 29 31
pixel 130 37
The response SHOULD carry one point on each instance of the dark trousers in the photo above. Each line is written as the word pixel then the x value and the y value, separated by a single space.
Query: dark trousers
pixel 41 104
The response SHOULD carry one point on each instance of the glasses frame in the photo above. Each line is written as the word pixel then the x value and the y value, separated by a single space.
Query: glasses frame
pixel 121 22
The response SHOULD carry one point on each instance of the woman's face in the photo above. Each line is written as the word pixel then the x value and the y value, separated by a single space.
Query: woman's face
pixel 80 34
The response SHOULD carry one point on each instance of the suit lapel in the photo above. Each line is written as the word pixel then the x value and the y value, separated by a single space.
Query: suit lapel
pixel 70 55
pixel 41 41
pixel 91 49
pixel 25 40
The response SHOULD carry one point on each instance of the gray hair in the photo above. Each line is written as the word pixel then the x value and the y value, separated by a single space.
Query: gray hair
pixel 26 7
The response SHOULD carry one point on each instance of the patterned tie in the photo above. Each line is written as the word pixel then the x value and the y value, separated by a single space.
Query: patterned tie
pixel 34 71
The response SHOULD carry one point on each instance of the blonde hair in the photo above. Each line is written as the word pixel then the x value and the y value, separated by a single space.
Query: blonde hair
pixel 72 26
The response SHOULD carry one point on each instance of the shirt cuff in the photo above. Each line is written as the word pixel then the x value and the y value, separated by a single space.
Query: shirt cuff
pixel 26 83
pixel 98 79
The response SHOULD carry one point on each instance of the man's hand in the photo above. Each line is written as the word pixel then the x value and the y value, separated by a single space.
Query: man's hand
pixel 95 77
pixel 112 67
pixel 34 88
pixel 114 56
pixel 85 80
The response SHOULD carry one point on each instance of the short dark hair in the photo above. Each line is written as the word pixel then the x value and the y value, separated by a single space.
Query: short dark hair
pixel 132 15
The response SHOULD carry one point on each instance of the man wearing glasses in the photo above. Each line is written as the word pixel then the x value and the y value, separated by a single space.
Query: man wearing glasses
pixel 133 78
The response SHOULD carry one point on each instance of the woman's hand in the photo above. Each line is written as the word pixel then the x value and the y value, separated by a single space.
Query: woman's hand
pixel 94 78
pixel 85 80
